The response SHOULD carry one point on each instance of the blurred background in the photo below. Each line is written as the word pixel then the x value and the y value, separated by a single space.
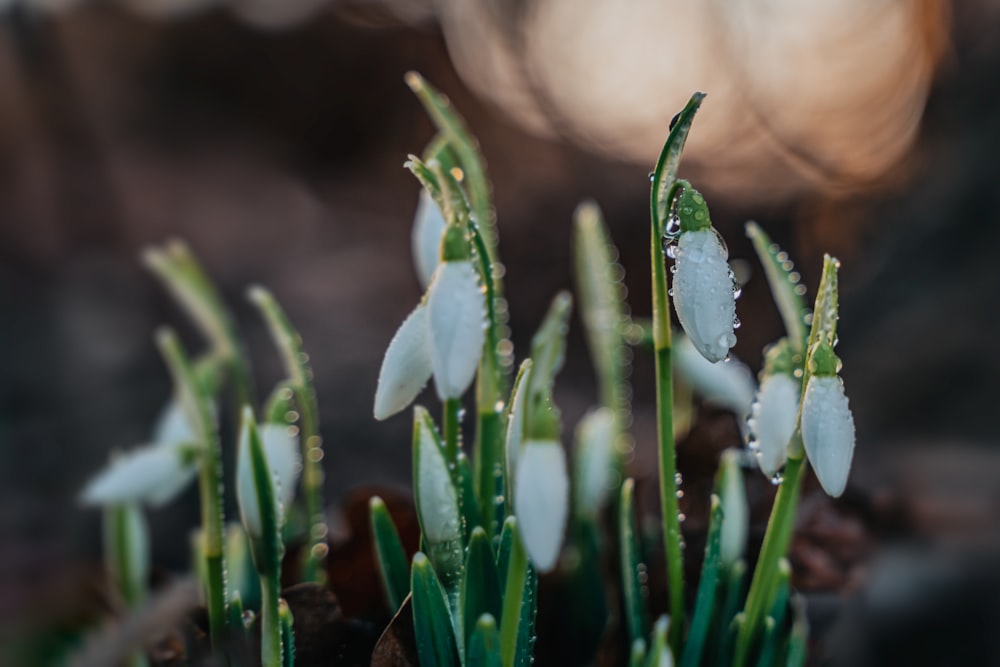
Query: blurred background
pixel 270 135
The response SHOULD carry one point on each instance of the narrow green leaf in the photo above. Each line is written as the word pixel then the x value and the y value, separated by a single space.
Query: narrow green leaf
pixel 732 597
pixel 524 656
pixel 480 584
pixel 257 498
pixel 432 624
pixel 505 546
pixel 798 641
pixel 465 147
pixel 439 149
pixel 587 599
pixel 491 470
pixel 484 646
pixel 437 504
pixel 601 295
pixel 287 635
pixel 235 610
pixel 468 503
pixel 825 312
pixel 241 575
pixel 784 282
pixel 548 347
pixel 774 631
pixel 732 494
pixel 631 565
pixel 516 411
pixel 665 173
pixel 707 584
pixel 637 655
pixel 517 617
pixel 392 562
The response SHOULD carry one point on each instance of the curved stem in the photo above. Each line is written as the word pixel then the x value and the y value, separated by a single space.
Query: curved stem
pixel 452 424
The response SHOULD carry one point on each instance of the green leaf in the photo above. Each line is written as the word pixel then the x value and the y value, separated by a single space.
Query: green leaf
pixel 484 647
pixel 287 635
pixel 548 348
pixel 586 597
pixel 665 173
pixel 258 499
pixel 432 624
pixel 241 575
pixel 437 504
pixel 480 585
pixel 631 565
pixel 705 600
pixel 236 613
pixel 505 546
pixel 520 588
pixel 798 641
pixel 601 295
pixel 392 562
pixel 775 622
pixel 784 282
pixel 469 505
pixel 825 312
pixel 637 655
pixel 732 598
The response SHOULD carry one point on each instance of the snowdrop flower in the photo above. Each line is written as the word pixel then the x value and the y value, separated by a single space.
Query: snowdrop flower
pixel 154 473
pixel 596 447
pixel 729 384
pixel 703 283
pixel 775 409
pixel 281 451
pixel 541 500
pixel 428 228
pixel 735 510
pixel 827 423
pixel 443 336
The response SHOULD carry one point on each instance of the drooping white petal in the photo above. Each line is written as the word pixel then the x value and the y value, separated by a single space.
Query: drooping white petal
pixel 428 228
pixel 457 326
pixel 281 446
pixel 728 384
pixel 541 500
pixel 828 432
pixel 772 421
pixel 735 510
pixel 703 293
pixel 437 500
pixel 406 367
pixel 152 474
pixel 172 426
pixel 594 459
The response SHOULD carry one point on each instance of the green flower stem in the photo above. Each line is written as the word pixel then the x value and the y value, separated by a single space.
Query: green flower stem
pixel 513 599
pixel 270 619
pixel 296 363
pixel 196 408
pixel 452 421
pixel 774 548
pixel 489 469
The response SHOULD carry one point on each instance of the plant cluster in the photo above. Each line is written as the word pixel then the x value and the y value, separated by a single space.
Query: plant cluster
pixel 496 514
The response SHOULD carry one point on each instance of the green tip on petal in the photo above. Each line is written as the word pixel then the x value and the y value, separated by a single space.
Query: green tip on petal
pixel 691 209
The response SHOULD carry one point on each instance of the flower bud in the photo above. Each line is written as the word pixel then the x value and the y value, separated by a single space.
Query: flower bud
pixel 152 474
pixel 703 293
pixel 828 432
pixel 456 312
pixel 428 227
pixel 406 367
pixel 541 500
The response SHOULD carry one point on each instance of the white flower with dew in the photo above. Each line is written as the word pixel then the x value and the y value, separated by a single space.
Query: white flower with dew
pixel 428 228
pixel 515 418
pixel 281 446
pixel 735 510
pixel 541 500
pixel 772 421
pixel 437 500
pixel 828 432
pixel 406 367
pixel 281 454
pixel 596 441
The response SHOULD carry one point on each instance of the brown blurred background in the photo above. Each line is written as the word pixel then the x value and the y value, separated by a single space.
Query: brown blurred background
pixel 271 135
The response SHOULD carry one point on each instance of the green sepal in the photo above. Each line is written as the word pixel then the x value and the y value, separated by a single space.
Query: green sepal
pixel 235 611
pixel 786 289
pixel 823 362
pixel 825 311
pixel 439 149
pixel 287 635
pixel 467 501
pixel 707 584
pixel 691 209
pixel 126 552
pixel 265 548
pixel 659 654
pixel 631 565
pixel 484 645
pixel 601 296
pixel 480 585
pixel 548 350
pixel 665 172
pixel 455 245
pixel 781 358
pixel 432 624
pixel 389 553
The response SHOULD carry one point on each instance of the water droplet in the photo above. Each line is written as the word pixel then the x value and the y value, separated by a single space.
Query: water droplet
pixel 670 249
pixel 794 276
pixel 670 292
pixel 680 494
pixel 808 319
pixel 797 372
pixel 652 176
pixel 727 340
pixel 499 406
pixel 682 517
pixel 672 227
pixel 777 479
pixel 782 256
pixel 678 479
pixel 753 446
pixel 800 290
pixel 736 323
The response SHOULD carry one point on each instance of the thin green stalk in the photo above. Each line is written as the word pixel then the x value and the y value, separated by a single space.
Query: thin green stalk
pixel 513 598
pixel 776 539
pixel 452 425
pixel 296 363
pixel 270 620
pixel 196 408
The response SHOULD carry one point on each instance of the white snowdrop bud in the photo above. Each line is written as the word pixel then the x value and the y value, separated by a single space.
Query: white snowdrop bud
pixel 596 438
pixel 729 384
pixel 772 421
pixel 703 293
pixel 456 311
pixel 735 510
pixel 437 499
pixel 406 367
pixel 541 500
pixel 428 228
pixel 152 474
pixel 281 446
pixel 828 432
